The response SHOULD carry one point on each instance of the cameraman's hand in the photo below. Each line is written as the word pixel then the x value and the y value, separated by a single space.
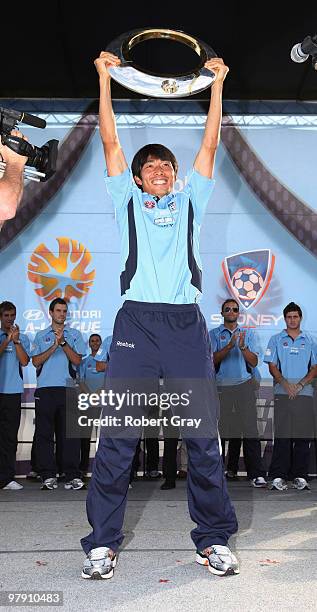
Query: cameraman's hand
pixel 9 156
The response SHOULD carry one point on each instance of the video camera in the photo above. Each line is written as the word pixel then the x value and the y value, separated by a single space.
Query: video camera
pixel 43 159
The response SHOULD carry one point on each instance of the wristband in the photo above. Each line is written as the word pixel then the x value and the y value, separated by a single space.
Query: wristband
pixel 62 343
pixel 17 342
pixel 242 348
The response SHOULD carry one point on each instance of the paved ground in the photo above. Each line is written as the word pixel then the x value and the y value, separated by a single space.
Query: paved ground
pixel 276 545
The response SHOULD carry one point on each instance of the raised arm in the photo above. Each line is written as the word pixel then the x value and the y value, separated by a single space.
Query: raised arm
pixel 205 160
pixel 115 159
pixel 11 183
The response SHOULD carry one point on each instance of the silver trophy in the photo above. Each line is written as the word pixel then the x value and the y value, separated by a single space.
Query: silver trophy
pixel 168 86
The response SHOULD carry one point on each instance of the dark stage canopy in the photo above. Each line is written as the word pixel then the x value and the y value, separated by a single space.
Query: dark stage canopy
pixel 48 48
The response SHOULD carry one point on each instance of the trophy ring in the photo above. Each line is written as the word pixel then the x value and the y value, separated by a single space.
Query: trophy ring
pixel 145 82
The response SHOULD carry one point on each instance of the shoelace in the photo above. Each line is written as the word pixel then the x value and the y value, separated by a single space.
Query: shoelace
pixel 96 554
pixel 218 550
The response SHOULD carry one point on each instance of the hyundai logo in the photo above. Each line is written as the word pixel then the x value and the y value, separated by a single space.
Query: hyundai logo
pixel 33 315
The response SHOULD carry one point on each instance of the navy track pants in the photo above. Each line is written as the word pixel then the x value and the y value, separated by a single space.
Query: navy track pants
pixel 170 341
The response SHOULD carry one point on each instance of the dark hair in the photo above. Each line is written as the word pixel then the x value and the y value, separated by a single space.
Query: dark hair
pixel 57 301
pixel 227 302
pixel 92 335
pixel 157 151
pixel 292 307
pixel 4 306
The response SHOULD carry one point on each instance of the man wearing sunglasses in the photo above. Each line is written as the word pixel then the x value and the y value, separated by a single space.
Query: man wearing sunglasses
pixel 236 352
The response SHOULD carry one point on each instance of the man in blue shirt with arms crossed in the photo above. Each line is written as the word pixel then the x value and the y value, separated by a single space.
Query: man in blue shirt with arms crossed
pixel 160 331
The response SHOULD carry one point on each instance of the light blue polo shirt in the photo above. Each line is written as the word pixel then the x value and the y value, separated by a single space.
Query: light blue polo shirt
pixel 89 375
pixel 104 351
pixel 57 371
pixel 233 369
pixel 160 260
pixel 293 358
pixel 11 374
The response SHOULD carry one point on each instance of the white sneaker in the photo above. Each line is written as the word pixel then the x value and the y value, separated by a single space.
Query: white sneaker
pixel 12 486
pixel 74 484
pixel 219 559
pixel 258 482
pixel 49 484
pixel 99 565
pixel 279 484
pixel 300 484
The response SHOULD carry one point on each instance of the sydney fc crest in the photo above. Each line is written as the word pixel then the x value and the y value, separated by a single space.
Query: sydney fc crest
pixel 149 204
pixel 248 275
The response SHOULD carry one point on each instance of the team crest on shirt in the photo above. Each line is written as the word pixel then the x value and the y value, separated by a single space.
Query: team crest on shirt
pixel 285 343
pixel 149 204
pixel 172 206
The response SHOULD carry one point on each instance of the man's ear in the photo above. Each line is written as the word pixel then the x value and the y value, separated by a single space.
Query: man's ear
pixel 137 180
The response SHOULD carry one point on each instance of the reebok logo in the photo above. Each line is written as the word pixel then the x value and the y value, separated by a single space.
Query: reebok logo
pixel 126 344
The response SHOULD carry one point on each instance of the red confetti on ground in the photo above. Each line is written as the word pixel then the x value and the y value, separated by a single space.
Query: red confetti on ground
pixel 161 580
pixel 269 562
pixel 41 562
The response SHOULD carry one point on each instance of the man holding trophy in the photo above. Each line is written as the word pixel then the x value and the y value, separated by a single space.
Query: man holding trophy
pixel 160 330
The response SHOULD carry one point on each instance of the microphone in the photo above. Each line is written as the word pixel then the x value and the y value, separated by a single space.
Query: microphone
pixel 301 51
pixel 32 120
pixel 23 117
